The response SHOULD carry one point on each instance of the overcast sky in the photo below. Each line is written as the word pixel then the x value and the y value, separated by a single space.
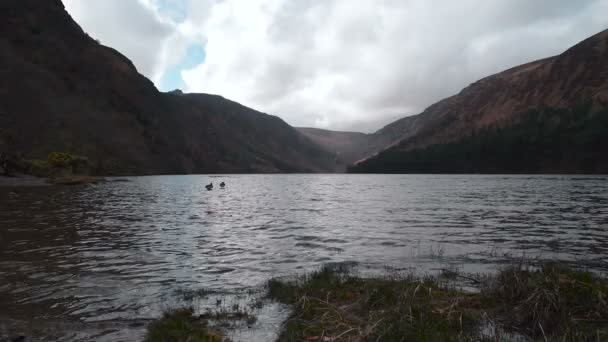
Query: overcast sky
pixel 337 64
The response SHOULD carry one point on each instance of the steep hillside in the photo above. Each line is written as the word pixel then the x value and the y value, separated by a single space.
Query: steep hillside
pixel 350 147
pixel 60 90
pixel 238 139
pixel 545 116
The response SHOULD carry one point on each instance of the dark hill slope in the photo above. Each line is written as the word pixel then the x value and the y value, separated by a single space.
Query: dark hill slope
pixel 239 139
pixel 60 90
pixel 350 147
pixel 347 147
pixel 545 116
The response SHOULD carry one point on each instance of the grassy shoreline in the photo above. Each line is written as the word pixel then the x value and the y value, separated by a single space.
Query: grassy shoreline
pixel 520 302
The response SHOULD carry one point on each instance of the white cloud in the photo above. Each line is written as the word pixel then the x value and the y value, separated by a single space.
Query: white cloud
pixel 126 25
pixel 339 63
pixel 347 64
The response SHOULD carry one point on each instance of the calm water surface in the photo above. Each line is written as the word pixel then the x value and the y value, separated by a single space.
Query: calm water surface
pixel 107 258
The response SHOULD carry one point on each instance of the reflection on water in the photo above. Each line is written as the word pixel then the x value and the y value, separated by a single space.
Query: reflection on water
pixel 119 252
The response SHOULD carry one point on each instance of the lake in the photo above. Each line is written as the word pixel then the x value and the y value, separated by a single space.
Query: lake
pixel 100 261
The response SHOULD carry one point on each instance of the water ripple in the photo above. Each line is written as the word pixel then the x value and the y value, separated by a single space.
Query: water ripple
pixel 119 250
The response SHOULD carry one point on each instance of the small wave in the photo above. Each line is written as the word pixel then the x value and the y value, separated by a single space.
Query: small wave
pixel 221 270
pixel 280 237
pixel 308 245
pixel 589 179
pixel 317 246
pixel 334 241
pixel 307 238
pixel 389 243
pixel 306 210
pixel 322 260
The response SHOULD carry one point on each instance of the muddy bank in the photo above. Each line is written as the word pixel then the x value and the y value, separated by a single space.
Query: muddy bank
pixel 31 181
pixel 23 180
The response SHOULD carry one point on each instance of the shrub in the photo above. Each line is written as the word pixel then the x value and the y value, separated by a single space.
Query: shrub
pixel 39 168
pixel 60 159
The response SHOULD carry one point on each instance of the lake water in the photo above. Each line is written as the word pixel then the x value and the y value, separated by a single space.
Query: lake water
pixel 103 260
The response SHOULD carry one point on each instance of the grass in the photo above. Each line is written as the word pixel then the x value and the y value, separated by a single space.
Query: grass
pixel 225 317
pixel 181 325
pixel 551 303
pixel 331 305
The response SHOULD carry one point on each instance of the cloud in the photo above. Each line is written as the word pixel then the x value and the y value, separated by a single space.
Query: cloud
pixel 346 64
pixel 337 63
pixel 171 78
pixel 126 25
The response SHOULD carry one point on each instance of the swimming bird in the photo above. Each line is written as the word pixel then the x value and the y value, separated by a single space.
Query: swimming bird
pixel 209 186
pixel 222 184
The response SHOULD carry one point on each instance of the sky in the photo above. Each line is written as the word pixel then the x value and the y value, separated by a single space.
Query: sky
pixel 335 64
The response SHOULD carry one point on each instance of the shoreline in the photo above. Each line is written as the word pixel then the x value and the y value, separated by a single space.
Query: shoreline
pixel 520 302
pixel 33 181
pixel 23 181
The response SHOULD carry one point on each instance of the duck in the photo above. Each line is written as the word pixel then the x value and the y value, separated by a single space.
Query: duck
pixel 209 186
pixel 222 184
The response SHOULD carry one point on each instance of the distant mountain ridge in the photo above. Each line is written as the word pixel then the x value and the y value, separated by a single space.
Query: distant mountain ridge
pixel 60 90
pixel 545 116
pixel 350 147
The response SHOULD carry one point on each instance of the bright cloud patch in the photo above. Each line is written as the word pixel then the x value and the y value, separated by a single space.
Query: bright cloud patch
pixel 339 64
pixel 176 10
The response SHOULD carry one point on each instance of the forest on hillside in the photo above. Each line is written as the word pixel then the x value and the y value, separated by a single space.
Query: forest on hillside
pixel 542 141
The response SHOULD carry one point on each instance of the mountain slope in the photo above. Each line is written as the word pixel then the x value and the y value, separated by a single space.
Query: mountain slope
pixel 350 147
pixel 60 90
pixel 545 116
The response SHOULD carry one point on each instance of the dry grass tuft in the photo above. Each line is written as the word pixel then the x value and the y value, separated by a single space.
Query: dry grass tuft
pixel 551 303
pixel 181 325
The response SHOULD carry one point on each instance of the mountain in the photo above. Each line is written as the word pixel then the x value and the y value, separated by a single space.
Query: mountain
pixel 548 116
pixel 350 147
pixel 60 90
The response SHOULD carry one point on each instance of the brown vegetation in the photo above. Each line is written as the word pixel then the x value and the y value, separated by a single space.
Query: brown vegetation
pixel 550 303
